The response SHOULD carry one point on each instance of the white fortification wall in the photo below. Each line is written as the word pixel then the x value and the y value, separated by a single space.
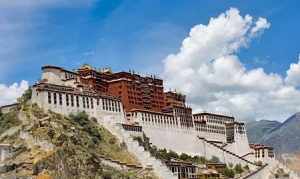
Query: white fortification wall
pixel 240 146
pixel 41 99
pixel 186 141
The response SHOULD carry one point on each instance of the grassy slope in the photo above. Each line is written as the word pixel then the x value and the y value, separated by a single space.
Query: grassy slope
pixel 77 145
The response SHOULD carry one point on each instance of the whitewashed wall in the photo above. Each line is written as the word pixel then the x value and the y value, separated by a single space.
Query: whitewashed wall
pixel 41 98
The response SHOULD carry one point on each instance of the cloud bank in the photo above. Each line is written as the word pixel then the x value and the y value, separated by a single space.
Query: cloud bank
pixel 207 68
pixel 9 94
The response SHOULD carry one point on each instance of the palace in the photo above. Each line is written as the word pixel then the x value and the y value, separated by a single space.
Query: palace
pixel 139 105
pixel 132 99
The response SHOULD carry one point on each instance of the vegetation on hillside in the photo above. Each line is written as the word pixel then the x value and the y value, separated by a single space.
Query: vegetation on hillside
pixel 166 155
pixel 47 144
pixel 230 170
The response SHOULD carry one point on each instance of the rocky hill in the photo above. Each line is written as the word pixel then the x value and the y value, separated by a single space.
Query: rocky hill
pixel 49 145
pixel 256 130
pixel 284 137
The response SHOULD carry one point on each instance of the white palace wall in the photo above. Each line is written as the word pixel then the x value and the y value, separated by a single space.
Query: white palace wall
pixel 98 110
pixel 185 140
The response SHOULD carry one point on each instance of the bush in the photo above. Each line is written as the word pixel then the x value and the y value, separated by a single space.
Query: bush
pixel 163 154
pixel 25 97
pixel 228 172
pixel 238 169
pixel 82 119
pixel 8 120
pixel 185 157
pixel 199 159
pixel 112 140
pixel 246 167
pixel 214 159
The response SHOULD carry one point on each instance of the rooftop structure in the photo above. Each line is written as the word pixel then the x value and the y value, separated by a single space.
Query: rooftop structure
pixel 262 152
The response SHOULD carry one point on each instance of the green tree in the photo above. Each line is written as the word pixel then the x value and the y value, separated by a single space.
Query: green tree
pixel 228 172
pixel 172 154
pixel 185 157
pixel 238 169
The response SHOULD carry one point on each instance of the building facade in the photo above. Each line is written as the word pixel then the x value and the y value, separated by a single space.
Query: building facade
pixel 140 105
pixel 262 153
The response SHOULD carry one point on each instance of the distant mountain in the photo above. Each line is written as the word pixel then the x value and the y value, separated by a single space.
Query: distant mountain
pixel 284 137
pixel 256 130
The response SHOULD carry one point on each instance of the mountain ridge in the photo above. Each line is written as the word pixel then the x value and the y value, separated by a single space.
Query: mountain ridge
pixel 284 137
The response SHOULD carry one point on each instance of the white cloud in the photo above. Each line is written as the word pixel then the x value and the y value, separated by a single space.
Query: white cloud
pixel 9 94
pixel 208 69
pixel 261 23
pixel 293 74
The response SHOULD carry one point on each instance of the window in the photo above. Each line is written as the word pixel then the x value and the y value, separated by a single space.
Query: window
pixel 67 99
pixel 49 97
pixel 87 102
pixel 92 103
pixel 77 101
pixel 54 96
pixel 103 104
pixel 60 98
pixel 97 101
pixel 109 104
pixel 83 101
pixel 72 100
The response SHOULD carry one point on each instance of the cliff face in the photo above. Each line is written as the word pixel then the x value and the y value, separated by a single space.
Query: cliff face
pixel 49 145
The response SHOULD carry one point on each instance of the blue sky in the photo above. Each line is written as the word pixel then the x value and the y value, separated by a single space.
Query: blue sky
pixel 139 34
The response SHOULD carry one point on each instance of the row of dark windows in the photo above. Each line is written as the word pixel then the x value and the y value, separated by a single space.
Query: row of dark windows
pixel 87 102
pixel 158 119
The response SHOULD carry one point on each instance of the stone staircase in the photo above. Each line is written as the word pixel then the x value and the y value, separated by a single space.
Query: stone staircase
pixel 147 161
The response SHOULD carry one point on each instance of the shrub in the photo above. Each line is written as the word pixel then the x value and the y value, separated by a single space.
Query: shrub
pixel 199 159
pixel 214 159
pixel 25 97
pixel 185 157
pixel 8 120
pixel 112 140
pixel 238 169
pixel 163 154
pixel 228 172
pixel 246 167
pixel 82 119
